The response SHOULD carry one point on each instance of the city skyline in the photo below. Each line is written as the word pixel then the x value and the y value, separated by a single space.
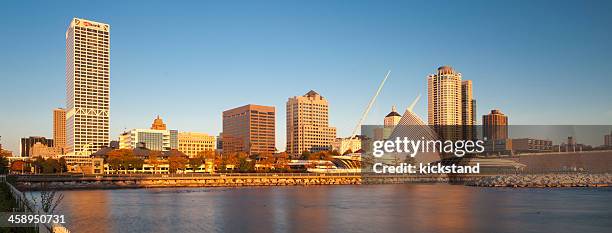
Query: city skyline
pixel 41 89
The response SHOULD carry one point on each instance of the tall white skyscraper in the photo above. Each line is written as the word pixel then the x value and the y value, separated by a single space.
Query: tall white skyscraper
pixel 87 85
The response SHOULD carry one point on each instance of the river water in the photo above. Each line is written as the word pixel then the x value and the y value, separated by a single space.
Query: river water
pixel 355 208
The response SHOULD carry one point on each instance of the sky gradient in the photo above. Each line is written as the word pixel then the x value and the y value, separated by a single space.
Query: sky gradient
pixel 540 62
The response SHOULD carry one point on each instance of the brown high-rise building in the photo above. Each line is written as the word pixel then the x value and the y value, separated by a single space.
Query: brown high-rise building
pixel 250 129
pixel 308 124
pixel 59 128
pixel 495 125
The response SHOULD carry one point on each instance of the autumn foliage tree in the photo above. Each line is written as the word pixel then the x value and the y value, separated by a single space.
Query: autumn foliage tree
pixel 124 159
pixel 155 159
pixel 177 162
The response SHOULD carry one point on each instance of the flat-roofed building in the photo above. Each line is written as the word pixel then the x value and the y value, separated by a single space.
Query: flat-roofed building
pixel 152 139
pixel 250 129
pixel 526 145
pixel 468 110
pixel 192 143
pixel 59 128
pixel 87 85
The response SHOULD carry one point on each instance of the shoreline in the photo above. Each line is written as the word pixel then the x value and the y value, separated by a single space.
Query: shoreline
pixel 551 180
pixel 571 180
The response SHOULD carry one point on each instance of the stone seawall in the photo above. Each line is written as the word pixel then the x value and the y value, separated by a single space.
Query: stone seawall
pixel 157 182
pixel 544 180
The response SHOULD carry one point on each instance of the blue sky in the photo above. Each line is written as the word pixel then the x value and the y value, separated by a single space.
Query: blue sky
pixel 540 62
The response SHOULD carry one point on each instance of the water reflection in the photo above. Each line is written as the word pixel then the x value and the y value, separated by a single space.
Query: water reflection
pixel 365 208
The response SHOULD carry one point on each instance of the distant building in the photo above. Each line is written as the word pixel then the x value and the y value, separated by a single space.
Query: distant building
pixel 608 140
pixel 468 110
pixel 158 124
pixel 27 143
pixel 220 143
pixel 40 150
pixel 59 128
pixel 495 125
pixel 390 121
pixel 113 144
pixel 572 146
pixel 393 118
pixel 343 145
pixel 308 124
pixel 250 129
pixel 498 147
pixel 152 139
pixel 531 145
pixel 191 143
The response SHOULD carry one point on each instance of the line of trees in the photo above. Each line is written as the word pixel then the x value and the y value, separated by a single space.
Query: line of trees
pixel 125 160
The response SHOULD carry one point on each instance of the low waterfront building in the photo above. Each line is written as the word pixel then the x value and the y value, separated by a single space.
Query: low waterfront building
pixel 84 164
pixel 498 147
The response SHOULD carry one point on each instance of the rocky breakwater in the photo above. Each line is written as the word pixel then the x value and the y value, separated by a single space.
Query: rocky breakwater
pixel 544 180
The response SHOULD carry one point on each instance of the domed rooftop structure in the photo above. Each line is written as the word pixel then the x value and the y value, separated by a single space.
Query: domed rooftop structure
pixel 158 124
pixel 393 112
pixel 446 70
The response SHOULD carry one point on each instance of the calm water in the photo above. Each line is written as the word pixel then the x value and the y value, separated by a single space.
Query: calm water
pixel 365 208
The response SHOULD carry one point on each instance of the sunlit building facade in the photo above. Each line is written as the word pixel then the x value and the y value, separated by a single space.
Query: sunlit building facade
pixel 308 124
pixel 152 139
pixel 87 85
pixel 450 104
pixel 192 143
pixel 468 110
pixel 250 129
pixel 59 128
pixel 495 125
